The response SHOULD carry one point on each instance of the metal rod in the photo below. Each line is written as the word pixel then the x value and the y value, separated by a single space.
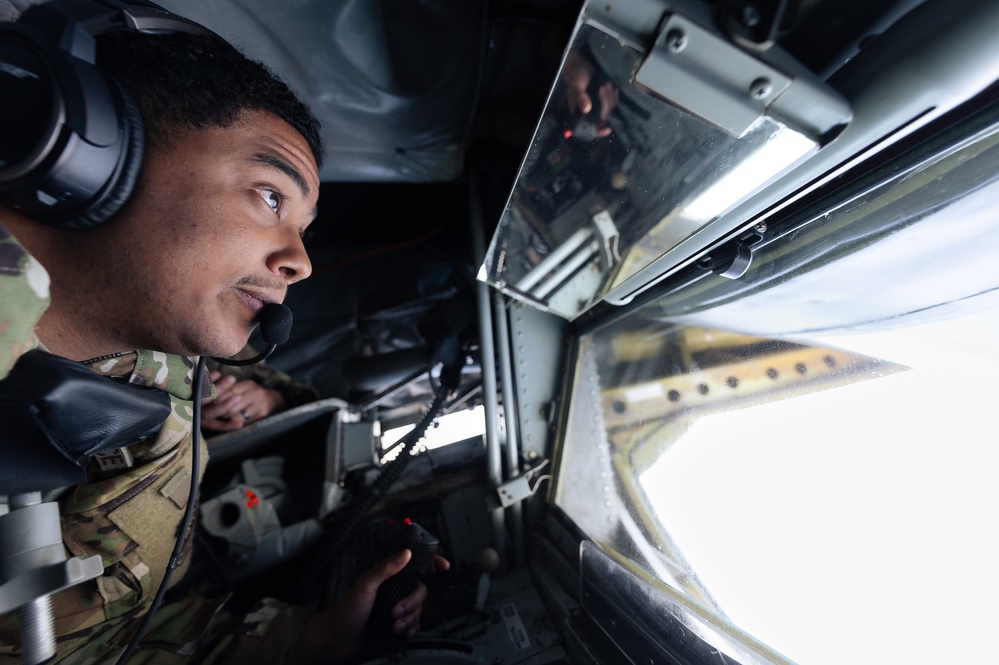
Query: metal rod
pixel 557 255
pixel 494 459
pixel 510 418
pixel 37 623
pixel 567 269
pixel 37 631
pixel 392 391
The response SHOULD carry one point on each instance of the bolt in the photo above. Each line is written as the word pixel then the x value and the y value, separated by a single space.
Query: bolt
pixel 676 40
pixel 761 227
pixel 761 88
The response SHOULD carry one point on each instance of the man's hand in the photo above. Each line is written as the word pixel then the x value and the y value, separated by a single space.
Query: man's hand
pixel 336 636
pixel 577 74
pixel 238 403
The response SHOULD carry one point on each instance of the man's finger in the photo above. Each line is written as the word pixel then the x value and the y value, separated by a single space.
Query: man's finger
pixel 413 603
pixel 439 564
pixel 579 101
pixel 220 424
pixel 406 613
pixel 372 579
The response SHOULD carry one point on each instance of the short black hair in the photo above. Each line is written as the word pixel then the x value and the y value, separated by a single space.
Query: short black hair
pixel 183 81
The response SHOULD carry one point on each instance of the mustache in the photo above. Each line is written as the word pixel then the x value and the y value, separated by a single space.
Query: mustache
pixel 262 283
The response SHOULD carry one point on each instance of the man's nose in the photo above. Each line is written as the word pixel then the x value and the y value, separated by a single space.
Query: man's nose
pixel 292 261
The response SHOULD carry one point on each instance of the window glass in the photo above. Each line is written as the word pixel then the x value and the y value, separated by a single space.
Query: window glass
pixel 603 194
pixel 833 498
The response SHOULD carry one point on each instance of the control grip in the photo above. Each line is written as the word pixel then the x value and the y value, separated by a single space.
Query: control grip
pixel 423 546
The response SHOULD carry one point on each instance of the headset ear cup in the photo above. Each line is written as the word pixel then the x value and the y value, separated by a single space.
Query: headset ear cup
pixel 119 189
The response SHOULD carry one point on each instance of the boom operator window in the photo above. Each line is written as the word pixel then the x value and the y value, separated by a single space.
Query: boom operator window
pixel 826 482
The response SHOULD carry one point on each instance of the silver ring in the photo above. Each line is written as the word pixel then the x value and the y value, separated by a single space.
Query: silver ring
pixel 245 414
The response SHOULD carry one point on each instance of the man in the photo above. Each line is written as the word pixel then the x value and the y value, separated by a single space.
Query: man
pixel 212 232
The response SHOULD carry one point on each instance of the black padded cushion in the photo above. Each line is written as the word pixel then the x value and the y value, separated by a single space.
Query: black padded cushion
pixel 56 413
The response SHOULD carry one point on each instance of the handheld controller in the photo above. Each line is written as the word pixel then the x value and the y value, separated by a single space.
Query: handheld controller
pixel 423 545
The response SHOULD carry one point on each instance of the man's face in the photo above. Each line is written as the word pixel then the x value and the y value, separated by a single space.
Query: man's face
pixel 212 234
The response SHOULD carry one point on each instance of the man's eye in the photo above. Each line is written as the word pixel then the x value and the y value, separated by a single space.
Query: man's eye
pixel 272 198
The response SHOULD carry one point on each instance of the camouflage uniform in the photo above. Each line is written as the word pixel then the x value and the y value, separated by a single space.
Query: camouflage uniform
pixel 24 295
pixel 131 519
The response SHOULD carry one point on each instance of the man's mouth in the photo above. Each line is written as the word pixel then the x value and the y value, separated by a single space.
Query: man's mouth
pixel 255 301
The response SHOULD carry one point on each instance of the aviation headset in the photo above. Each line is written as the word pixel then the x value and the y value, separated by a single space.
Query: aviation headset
pixel 71 139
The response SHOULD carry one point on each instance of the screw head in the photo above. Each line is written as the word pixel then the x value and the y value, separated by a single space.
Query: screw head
pixel 676 40
pixel 761 88
pixel 761 227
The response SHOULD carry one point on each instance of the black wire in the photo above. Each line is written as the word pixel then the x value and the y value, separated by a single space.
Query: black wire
pixel 349 518
pixel 215 562
pixel 185 525
pixel 248 361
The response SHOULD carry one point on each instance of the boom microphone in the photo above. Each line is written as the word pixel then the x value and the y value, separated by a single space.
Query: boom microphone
pixel 275 327
pixel 275 323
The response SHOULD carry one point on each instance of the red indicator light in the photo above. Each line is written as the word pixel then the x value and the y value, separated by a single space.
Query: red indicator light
pixel 567 134
pixel 407 521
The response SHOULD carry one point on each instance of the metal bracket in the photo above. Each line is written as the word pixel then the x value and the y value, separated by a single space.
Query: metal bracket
pixel 732 259
pixel 609 236
pixel 517 489
pixel 705 74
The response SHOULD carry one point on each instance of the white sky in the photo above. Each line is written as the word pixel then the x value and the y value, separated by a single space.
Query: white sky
pixel 856 524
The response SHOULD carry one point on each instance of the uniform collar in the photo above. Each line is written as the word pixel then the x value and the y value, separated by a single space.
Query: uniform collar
pixel 170 373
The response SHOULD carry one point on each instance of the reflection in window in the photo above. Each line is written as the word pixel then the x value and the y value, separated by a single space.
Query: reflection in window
pixel 834 499
pixel 602 194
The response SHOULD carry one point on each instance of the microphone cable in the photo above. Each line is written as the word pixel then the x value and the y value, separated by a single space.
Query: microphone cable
pixel 351 515
pixel 185 525
pixel 275 327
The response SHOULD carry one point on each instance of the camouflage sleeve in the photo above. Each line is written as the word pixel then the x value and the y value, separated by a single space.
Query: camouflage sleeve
pixel 265 635
pixel 268 376
pixel 24 295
